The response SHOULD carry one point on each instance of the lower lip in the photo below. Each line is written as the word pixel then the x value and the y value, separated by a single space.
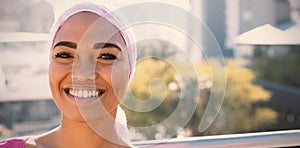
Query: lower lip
pixel 80 99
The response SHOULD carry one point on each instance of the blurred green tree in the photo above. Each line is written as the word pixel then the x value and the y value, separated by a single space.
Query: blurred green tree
pixel 157 79
pixel 280 69
pixel 240 111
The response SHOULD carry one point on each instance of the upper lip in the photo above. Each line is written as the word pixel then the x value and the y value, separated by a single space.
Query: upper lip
pixel 87 86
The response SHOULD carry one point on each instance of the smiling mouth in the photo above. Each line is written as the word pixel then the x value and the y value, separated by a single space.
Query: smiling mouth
pixel 84 94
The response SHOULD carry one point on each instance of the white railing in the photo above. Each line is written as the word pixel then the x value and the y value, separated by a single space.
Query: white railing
pixel 263 139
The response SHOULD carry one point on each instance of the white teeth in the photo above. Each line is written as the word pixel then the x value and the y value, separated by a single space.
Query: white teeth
pixel 84 93
pixel 90 94
pixel 79 93
pixel 93 93
pixel 71 92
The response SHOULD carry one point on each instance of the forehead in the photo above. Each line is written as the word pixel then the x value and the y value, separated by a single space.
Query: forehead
pixel 87 27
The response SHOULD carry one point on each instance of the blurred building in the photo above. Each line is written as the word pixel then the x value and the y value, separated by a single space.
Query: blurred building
pixel 212 14
pixel 25 16
pixel 295 8
pixel 244 15
pixel 230 18
pixel 227 19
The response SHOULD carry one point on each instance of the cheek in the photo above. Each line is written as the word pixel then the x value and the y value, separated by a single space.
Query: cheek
pixel 57 73
pixel 119 78
pixel 52 76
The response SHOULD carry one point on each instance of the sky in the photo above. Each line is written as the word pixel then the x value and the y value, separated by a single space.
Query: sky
pixel 60 5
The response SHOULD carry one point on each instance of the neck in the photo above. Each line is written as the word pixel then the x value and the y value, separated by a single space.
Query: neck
pixel 78 134
pixel 85 134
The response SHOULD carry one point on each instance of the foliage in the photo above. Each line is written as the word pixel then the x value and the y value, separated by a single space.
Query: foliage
pixel 151 78
pixel 240 111
pixel 281 69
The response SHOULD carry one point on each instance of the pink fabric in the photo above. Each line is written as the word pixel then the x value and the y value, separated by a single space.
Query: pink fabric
pixel 13 143
pixel 103 12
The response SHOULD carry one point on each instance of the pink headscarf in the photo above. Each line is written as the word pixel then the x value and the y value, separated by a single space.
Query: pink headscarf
pixel 104 13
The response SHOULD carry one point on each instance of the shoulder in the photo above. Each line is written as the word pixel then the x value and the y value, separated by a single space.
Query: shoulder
pixel 19 142
pixel 13 143
pixel 41 140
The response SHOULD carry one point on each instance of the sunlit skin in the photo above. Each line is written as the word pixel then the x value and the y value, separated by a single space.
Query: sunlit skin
pixel 88 53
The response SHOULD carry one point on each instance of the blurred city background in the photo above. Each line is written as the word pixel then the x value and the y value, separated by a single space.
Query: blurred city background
pixel 260 40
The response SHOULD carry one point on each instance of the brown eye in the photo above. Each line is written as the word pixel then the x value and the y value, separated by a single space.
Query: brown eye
pixel 63 55
pixel 107 56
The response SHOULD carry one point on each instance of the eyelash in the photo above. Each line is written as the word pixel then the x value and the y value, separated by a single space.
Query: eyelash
pixel 63 55
pixel 105 56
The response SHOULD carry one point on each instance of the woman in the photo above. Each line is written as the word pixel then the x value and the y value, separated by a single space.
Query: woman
pixel 91 63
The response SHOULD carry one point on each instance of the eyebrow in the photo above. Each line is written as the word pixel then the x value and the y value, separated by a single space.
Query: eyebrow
pixel 106 45
pixel 96 45
pixel 67 44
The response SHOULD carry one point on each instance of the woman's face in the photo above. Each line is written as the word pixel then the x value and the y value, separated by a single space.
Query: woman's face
pixel 88 66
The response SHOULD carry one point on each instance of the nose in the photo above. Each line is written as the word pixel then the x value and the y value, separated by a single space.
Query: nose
pixel 84 71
